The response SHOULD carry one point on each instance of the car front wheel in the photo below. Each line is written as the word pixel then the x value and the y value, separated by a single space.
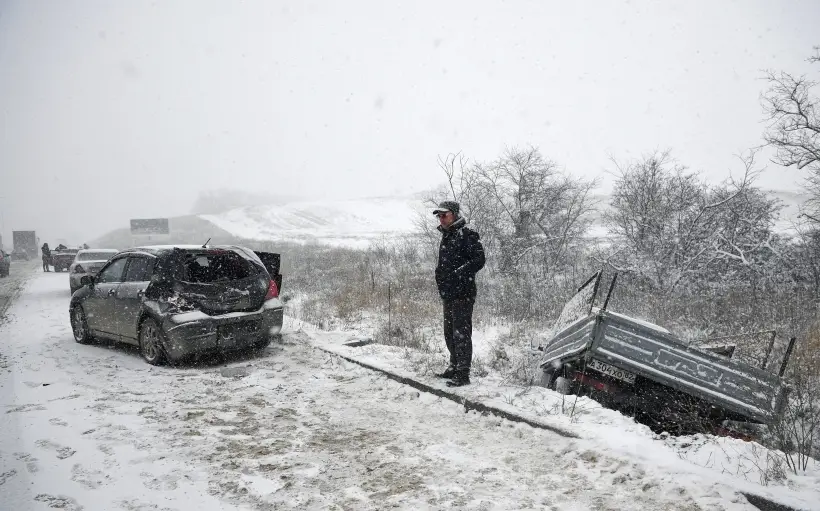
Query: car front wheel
pixel 79 325
pixel 150 339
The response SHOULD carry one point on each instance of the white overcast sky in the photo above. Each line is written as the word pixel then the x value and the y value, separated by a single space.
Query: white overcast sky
pixel 112 110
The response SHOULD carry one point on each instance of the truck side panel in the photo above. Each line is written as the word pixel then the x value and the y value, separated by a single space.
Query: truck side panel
pixel 571 342
pixel 659 357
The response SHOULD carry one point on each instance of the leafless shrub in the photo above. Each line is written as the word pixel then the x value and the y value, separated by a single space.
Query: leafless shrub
pixel 793 114
pixel 798 432
pixel 671 228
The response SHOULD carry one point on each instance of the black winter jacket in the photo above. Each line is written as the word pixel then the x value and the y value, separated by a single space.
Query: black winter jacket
pixel 460 257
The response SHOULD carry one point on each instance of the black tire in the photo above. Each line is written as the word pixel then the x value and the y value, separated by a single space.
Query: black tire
pixel 262 343
pixel 151 342
pixel 563 386
pixel 74 289
pixel 79 325
pixel 545 379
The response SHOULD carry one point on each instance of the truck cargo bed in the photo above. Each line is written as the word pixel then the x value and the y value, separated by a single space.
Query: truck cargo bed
pixel 652 353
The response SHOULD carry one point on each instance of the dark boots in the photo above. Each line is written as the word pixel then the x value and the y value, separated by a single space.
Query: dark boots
pixel 459 379
pixel 448 373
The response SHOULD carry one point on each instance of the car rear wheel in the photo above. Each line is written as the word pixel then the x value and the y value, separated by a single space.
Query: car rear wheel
pixel 262 343
pixel 79 325
pixel 150 339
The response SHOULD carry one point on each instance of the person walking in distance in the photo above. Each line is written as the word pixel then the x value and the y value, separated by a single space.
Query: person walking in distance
pixel 46 256
pixel 460 257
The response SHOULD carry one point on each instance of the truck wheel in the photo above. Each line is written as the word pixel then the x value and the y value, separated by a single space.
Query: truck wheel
pixel 563 385
pixel 544 379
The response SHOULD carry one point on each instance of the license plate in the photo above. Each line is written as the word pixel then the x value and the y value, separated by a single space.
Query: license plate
pixel 613 371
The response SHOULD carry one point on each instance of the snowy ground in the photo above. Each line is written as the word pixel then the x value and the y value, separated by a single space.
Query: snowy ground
pixel 702 464
pixel 95 428
pixel 10 285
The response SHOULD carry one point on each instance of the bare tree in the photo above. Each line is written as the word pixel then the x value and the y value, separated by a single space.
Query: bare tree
pixel 653 206
pixel 743 230
pixel 793 112
pixel 672 227
pixel 462 186
pixel 453 166
pixel 537 210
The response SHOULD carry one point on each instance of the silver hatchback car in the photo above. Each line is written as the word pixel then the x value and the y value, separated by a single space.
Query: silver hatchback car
pixel 178 301
pixel 88 262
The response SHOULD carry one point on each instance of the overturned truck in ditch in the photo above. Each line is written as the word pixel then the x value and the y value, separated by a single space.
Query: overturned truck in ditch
pixel 671 385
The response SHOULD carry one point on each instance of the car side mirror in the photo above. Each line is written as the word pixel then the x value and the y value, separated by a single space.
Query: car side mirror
pixel 87 280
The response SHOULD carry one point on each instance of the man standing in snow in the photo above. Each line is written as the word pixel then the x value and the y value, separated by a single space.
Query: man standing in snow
pixel 46 256
pixel 460 257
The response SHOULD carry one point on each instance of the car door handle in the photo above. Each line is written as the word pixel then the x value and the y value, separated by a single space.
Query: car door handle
pixel 140 293
pixel 112 291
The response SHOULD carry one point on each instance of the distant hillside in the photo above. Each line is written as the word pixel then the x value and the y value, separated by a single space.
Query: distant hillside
pixel 351 223
pixel 348 223
pixel 184 229
pixel 216 201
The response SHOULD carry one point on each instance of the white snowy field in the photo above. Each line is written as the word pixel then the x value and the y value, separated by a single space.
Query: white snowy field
pixel 95 428
pixel 345 223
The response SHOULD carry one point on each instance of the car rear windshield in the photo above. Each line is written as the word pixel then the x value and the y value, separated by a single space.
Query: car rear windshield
pixel 95 256
pixel 219 266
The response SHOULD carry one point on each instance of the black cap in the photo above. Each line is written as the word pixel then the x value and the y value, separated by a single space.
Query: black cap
pixel 447 205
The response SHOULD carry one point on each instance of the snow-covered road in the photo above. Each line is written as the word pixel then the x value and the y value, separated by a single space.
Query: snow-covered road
pixel 95 428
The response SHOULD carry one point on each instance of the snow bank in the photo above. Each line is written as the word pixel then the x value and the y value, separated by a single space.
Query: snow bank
pixel 691 460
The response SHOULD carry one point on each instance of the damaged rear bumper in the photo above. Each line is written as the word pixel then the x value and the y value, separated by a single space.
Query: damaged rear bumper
pixel 190 333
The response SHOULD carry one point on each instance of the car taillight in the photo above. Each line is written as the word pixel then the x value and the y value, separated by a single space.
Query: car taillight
pixel 78 269
pixel 273 291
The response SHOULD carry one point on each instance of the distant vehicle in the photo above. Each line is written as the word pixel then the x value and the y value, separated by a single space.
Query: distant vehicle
pixel 62 258
pixel 87 262
pixel 25 245
pixel 5 263
pixel 177 301
pixel 632 365
pixel 19 255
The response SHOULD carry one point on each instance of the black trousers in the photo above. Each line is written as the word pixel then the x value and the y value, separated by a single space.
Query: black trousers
pixel 458 332
pixel 46 262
